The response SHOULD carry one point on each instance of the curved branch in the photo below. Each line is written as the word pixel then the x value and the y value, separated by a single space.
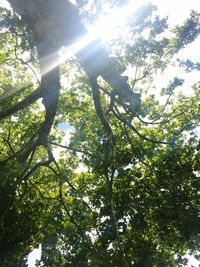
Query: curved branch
pixel 51 88
pixel 155 122
pixel 24 62
pixel 122 119
pixel 40 193
pixel 30 67
pixel 99 110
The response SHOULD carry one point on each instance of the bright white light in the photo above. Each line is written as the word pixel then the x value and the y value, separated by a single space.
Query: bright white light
pixel 4 3
pixel 105 28
pixel 108 26
pixel 51 61
pixel 33 256
pixel 178 11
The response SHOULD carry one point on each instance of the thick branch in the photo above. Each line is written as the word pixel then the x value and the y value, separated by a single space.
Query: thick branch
pixel 34 96
pixel 96 62
pixel 51 85
pixel 99 110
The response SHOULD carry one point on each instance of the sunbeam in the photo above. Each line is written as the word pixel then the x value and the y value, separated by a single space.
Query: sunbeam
pixel 105 28
pixel 51 61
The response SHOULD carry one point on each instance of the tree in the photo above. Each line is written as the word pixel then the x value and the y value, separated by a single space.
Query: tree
pixel 137 202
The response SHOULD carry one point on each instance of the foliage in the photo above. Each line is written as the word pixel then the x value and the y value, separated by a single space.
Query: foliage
pixel 135 203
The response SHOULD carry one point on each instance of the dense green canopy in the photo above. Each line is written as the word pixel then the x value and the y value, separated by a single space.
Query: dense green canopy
pixel 124 190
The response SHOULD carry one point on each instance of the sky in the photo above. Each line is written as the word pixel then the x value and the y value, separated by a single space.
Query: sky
pixel 178 11
pixel 4 3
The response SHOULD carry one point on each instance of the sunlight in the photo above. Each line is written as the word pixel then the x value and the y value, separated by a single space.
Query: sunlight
pixel 51 62
pixel 107 27
pixel 4 3
pixel 33 256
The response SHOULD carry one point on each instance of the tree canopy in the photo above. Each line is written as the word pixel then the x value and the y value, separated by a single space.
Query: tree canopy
pixel 98 165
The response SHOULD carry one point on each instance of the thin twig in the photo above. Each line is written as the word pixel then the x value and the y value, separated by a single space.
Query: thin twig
pixel 72 148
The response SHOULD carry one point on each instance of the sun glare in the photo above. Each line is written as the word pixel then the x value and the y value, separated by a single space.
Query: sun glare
pixel 50 62
pixel 107 27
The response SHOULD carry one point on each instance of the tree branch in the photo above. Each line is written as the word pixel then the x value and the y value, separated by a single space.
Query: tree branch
pixel 99 110
pixel 122 119
pixel 71 148
pixel 24 62
pixel 34 96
